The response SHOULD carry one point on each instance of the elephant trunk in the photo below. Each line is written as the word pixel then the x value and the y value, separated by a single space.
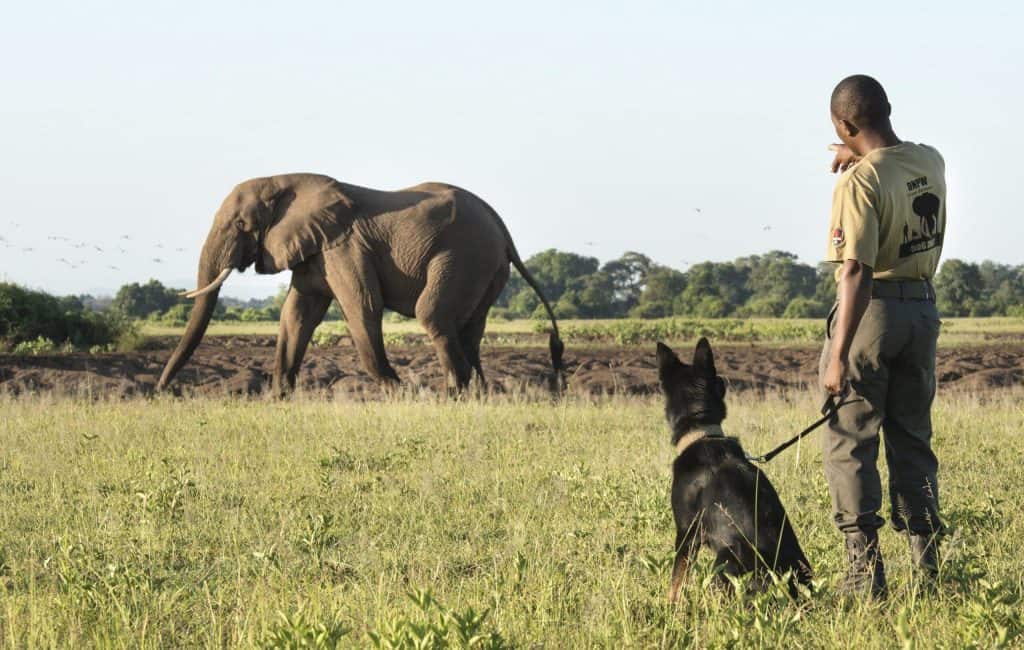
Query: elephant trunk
pixel 202 312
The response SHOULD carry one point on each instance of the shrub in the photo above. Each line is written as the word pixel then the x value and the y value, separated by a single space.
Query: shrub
pixel 329 334
pixel 28 316
pixel 176 315
pixel 39 345
pixel 805 308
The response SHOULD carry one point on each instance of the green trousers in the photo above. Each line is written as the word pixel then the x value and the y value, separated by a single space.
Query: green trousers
pixel 892 367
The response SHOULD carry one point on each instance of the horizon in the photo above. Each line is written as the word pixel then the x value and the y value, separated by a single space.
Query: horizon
pixel 683 133
pixel 272 291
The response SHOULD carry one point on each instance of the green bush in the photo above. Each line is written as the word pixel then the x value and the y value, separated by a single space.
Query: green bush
pixel 805 308
pixel 635 331
pixel 27 316
pixel 176 315
pixel 329 334
pixel 39 345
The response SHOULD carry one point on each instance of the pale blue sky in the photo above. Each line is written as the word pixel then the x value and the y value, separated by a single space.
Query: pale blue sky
pixel 594 127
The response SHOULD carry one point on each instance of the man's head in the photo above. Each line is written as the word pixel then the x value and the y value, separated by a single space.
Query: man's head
pixel 860 106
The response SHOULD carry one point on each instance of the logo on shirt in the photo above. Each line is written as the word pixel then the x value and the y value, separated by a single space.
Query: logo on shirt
pixel 838 238
pixel 927 235
pixel 917 183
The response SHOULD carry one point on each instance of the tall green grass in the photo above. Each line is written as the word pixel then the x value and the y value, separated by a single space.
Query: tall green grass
pixel 174 523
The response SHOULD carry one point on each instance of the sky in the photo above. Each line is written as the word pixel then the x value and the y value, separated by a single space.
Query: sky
pixel 593 127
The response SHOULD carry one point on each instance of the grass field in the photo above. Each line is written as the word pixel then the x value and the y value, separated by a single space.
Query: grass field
pixel 955 331
pixel 173 523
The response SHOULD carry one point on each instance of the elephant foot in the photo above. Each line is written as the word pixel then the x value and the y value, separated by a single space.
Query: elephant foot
pixel 390 386
pixel 281 389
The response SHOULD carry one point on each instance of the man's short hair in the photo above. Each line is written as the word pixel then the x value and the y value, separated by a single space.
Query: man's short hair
pixel 862 100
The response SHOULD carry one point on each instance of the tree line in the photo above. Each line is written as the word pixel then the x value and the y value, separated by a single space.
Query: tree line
pixel 775 284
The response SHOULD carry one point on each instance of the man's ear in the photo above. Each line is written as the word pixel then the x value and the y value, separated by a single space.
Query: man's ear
pixel 850 129
pixel 704 358
pixel 667 359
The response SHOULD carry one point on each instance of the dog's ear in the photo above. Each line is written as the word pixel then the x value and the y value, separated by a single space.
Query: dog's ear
pixel 720 387
pixel 667 359
pixel 703 358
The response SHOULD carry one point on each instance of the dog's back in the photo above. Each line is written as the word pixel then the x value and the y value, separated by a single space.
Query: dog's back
pixel 720 499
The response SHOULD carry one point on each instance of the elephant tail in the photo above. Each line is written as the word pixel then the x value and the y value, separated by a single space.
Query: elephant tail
pixel 555 344
pixel 554 341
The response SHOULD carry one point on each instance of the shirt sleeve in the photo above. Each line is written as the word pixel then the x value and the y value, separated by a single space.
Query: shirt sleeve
pixel 854 227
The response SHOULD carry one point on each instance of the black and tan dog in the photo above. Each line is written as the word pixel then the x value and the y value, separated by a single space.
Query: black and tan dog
pixel 719 498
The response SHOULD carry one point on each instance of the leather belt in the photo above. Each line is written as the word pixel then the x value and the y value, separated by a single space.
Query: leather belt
pixel 903 289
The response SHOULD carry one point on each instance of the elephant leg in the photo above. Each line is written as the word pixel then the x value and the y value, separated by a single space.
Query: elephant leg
pixel 300 315
pixel 469 338
pixel 436 311
pixel 473 331
pixel 363 306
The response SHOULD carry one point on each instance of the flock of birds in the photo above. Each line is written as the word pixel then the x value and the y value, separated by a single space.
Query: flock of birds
pixel 82 248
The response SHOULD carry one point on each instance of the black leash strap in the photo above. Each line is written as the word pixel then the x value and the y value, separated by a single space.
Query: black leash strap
pixel 828 410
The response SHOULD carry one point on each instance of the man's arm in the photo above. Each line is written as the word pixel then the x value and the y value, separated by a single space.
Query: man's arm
pixel 854 292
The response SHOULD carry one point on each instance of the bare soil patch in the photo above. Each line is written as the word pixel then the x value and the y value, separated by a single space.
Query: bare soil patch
pixel 241 365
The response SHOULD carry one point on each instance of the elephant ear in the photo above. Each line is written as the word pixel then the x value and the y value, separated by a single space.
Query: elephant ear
pixel 304 222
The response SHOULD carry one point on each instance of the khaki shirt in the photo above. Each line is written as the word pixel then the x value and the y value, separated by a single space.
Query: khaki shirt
pixel 889 212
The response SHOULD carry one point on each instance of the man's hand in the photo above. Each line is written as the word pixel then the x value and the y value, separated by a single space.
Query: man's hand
pixel 845 158
pixel 854 294
pixel 835 376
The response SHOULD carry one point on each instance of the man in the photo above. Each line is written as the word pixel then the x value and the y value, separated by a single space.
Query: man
pixel 886 232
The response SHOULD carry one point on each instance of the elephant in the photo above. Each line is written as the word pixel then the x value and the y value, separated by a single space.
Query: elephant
pixel 435 252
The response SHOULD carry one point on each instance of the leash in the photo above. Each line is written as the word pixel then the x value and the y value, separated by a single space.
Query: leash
pixel 829 409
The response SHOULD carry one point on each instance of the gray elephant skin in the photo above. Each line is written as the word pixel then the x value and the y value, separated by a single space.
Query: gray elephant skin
pixel 434 252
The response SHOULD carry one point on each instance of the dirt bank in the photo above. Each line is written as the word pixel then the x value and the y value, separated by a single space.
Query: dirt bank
pixel 241 366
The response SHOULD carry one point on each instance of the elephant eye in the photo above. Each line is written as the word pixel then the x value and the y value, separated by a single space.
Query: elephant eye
pixel 240 224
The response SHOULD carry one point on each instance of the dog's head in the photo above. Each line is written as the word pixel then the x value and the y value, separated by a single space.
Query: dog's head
pixel 694 394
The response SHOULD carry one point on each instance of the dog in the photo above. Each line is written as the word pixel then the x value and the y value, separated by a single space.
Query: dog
pixel 719 499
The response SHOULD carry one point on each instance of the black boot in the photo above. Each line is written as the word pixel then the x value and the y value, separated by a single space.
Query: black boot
pixel 924 550
pixel 866 575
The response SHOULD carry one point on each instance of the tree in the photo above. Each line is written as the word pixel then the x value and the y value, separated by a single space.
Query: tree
pixel 628 275
pixel 663 285
pixel 594 296
pixel 713 290
pixel 958 288
pixel 141 300
pixel 801 307
pixel 555 271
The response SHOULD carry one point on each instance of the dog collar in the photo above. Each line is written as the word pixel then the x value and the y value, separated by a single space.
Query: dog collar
pixel 693 435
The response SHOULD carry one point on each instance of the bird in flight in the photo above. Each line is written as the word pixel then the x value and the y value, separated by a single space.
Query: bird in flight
pixel 113 268
pixel 158 260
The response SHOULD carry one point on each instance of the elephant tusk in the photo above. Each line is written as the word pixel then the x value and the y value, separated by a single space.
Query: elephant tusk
pixel 213 286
